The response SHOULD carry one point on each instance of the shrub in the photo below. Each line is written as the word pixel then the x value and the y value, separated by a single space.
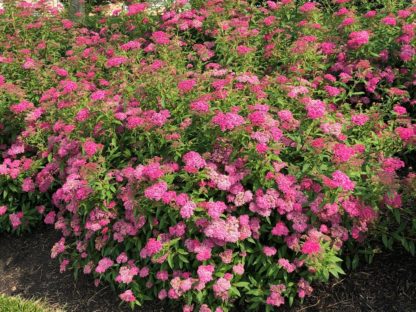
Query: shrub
pixel 221 155
pixel 28 53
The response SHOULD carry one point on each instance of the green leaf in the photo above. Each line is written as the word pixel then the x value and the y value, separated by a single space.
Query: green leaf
pixel 170 260
pixel 183 259
pixel 242 284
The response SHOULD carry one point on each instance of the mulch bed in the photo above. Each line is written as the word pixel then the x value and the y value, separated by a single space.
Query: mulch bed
pixel 388 284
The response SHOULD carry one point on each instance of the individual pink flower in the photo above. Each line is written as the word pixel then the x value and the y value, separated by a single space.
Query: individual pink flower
pixel 126 274
pixel 215 209
pixel 16 219
pixel 144 272
pixel 359 119
pixel 29 63
pixel 90 147
pixel 3 210
pixel 82 115
pixel 370 14
pixel 269 251
pixel 98 95
pixel 187 210
pixel 304 289
pixel 340 179
pixel 347 21
pixel 67 24
pixel 221 287
pixel 122 258
pixel 203 253
pixel 61 72
pixel 389 20
pixel 315 109
pixel 88 268
pixel 50 217
pixel 358 39
pixel 405 133
pixel 238 269
pixel 262 148
pixel 393 199
pixel 275 298
pixel 103 265
pixel 136 8
pixel 162 294
pixel 28 185
pixel 58 248
pixel 186 86
pixel 407 52
pixel 225 230
pixel 404 13
pixel 152 171
pixel 311 247
pixel 156 191
pixel 162 275
pixel 63 265
pixel 127 296
pixel 68 86
pixel 242 50
pixel 269 20
pixel 116 61
pixel 343 153
pixel 160 37
pixel 399 110
pixel 16 149
pixel 392 164
pixel 285 264
pixel 243 198
pixel 227 121
pixel 193 162
pixel 157 119
pixel 333 91
pixel 152 247
pixel 307 7
pixel 280 229
pixel 205 273
pixel 328 47
pixel 21 107
pixel 200 106
pixel 131 45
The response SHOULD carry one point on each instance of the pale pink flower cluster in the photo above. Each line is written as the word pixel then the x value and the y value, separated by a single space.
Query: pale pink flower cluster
pixel 126 274
pixel 225 230
pixel 103 265
pixel 275 298
pixel 221 287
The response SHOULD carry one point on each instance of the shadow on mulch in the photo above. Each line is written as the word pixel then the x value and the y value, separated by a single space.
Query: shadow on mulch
pixel 388 284
pixel 26 269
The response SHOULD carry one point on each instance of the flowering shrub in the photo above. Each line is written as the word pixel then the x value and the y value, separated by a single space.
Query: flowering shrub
pixel 220 155
pixel 23 78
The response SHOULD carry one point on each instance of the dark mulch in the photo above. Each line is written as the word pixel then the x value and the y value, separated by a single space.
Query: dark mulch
pixel 388 284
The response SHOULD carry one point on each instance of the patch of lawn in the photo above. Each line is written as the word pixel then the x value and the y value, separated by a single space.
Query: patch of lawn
pixel 18 304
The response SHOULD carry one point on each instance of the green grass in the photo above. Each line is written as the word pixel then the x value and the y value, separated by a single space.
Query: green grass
pixel 18 304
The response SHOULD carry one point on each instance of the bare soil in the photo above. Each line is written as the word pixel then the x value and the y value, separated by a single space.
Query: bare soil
pixel 388 284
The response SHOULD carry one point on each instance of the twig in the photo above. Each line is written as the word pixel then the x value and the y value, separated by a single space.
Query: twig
pixel 95 294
